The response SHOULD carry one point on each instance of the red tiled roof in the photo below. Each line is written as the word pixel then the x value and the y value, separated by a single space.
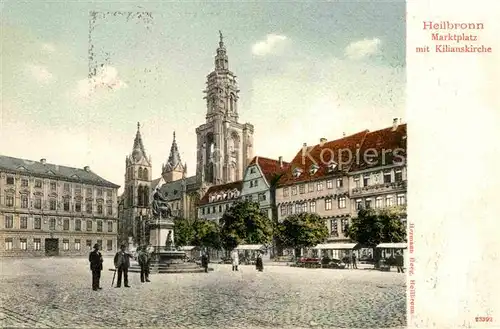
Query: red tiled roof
pixel 382 148
pixel 269 167
pixel 238 185
pixel 341 151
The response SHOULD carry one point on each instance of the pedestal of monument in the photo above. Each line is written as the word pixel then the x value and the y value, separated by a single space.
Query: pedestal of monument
pixel 165 258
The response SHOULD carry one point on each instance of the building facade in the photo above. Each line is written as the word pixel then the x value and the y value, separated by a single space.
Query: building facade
pixel 379 179
pixel 256 186
pixel 335 179
pixel 47 209
pixel 317 182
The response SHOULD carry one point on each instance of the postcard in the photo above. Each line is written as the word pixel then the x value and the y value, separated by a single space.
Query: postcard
pixel 246 165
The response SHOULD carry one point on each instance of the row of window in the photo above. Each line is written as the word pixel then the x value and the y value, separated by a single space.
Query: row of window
pixel 359 181
pixel 53 223
pixel 315 186
pixel 10 180
pixel 52 204
pixel 310 206
pixel 381 202
pixel 215 209
pixel 367 203
pixel 375 178
pixel 36 244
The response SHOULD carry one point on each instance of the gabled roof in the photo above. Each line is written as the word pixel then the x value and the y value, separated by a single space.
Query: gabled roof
pixel 48 170
pixel 384 147
pixel 325 159
pixel 269 167
pixel 238 185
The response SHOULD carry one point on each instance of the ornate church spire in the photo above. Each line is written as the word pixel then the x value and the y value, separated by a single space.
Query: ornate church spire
pixel 174 158
pixel 138 150
pixel 173 169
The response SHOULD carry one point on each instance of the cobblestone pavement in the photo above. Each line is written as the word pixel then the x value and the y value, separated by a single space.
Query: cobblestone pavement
pixel 56 292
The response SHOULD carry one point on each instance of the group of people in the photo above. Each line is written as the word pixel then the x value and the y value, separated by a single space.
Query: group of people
pixel 235 260
pixel 122 264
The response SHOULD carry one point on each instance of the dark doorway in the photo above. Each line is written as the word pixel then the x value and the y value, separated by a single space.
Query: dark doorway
pixel 51 247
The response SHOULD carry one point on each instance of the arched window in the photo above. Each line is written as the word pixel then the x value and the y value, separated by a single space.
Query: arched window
pixel 145 175
pixel 139 173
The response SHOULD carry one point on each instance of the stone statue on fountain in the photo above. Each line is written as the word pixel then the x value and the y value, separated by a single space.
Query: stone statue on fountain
pixel 160 207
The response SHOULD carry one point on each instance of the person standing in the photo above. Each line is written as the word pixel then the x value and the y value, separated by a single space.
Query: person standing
pixel 143 259
pixel 122 263
pixel 235 259
pixel 204 261
pixel 95 259
pixel 354 264
pixel 400 262
pixel 259 265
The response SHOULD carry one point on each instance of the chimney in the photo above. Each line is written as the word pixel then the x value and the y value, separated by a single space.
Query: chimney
pixel 304 145
pixel 280 159
pixel 395 123
pixel 322 140
pixel 43 160
pixel 86 168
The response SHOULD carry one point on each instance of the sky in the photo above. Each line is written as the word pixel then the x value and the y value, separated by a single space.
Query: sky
pixel 305 70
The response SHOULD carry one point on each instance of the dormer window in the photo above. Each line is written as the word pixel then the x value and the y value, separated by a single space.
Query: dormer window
pixel 297 172
pixel 314 168
pixel 211 198
pixel 331 166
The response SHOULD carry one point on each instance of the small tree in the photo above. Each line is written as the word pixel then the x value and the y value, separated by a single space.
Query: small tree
pixel 302 230
pixel 184 232
pixel 244 223
pixel 372 227
pixel 206 234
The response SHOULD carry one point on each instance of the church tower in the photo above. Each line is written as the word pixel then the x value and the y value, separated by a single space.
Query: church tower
pixel 137 187
pixel 224 146
pixel 174 169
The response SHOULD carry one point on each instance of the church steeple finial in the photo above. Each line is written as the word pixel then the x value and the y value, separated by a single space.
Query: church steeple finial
pixel 221 42
pixel 221 62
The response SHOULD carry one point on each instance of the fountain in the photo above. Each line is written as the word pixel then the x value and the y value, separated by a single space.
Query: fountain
pixel 165 257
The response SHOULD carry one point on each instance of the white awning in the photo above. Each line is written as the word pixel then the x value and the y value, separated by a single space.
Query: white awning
pixel 250 247
pixel 336 246
pixel 187 248
pixel 399 245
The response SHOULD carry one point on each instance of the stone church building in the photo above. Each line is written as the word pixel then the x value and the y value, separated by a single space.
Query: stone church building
pixel 224 150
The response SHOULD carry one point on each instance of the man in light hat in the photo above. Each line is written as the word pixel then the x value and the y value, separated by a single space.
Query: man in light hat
pixel 95 259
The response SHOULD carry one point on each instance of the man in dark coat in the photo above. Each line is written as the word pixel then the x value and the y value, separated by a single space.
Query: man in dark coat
pixel 204 261
pixel 95 259
pixel 143 259
pixel 122 263
pixel 259 265
pixel 400 262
